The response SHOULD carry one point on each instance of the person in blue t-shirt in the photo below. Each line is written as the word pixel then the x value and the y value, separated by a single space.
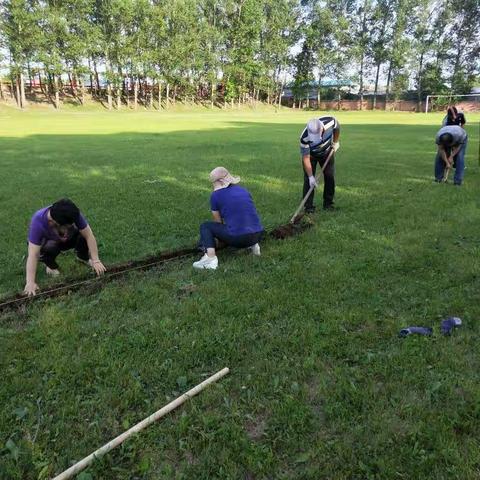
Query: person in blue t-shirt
pixel 235 219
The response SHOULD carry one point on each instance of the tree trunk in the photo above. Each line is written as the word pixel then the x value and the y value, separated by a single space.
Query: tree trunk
pixel 151 96
pixel 282 86
pixel 22 91
pixel 29 70
pixel 374 105
pixel 174 100
pixel 42 86
pixel 212 93
pixel 91 77
pixel 109 95
pixel 57 91
pixel 159 95
pixel 135 94
pixel 97 79
pixel 167 97
pixel 361 82
pixel 81 84
pixel 70 80
pixel 419 86
pixel 18 98
pixel 126 92
pixel 387 91
pixel 1 89
pixel 268 96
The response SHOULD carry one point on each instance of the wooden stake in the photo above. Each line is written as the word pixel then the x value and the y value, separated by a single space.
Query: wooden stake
pixel 79 466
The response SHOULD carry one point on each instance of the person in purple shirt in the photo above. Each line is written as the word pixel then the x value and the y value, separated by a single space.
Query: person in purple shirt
pixel 55 229
pixel 235 219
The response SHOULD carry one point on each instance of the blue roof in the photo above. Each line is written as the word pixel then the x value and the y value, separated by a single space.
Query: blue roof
pixel 327 83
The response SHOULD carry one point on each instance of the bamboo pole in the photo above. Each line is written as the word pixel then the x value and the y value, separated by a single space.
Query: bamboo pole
pixel 79 466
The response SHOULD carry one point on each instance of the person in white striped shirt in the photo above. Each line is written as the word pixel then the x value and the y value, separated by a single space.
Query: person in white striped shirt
pixel 317 140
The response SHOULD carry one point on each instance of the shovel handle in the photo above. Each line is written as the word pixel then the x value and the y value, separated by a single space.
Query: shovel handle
pixel 310 190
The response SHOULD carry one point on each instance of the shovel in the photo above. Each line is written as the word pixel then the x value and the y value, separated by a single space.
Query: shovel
pixel 288 229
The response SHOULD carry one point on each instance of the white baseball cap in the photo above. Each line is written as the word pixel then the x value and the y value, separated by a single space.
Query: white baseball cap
pixel 315 129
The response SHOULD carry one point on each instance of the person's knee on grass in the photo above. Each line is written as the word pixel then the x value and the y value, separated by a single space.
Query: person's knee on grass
pixel 235 219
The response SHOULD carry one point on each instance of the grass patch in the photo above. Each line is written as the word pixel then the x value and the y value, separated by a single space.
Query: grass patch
pixel 320 385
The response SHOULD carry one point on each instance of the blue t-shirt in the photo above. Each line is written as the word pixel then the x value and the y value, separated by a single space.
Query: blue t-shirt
pixel 237 209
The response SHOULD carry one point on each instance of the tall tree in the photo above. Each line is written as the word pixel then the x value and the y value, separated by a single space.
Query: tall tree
pixel 383 14
pixel 362 20
pixel 464 35
pixel 399 45
pixel 19 26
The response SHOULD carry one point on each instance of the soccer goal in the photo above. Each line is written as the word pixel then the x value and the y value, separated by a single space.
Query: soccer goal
pixel 465 103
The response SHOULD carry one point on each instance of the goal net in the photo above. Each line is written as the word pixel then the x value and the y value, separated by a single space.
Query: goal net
pixel 465 103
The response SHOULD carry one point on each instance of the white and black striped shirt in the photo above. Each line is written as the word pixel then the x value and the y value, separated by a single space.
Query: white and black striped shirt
pixel 319 149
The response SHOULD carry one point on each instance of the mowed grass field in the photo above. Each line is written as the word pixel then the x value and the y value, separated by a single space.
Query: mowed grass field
pixel 320 384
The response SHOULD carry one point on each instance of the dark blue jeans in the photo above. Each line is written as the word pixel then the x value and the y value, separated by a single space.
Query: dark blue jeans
pixel 459 161
pixel 209 231
pixel 329 181
pixel 50 249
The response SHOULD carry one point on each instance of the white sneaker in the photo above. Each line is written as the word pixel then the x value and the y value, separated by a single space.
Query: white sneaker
pixel 255 249
pixel 52 272
pixel 206 262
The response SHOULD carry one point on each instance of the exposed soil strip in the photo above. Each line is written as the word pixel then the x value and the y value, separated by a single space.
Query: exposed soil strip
pixel 113 271
pixel 19 300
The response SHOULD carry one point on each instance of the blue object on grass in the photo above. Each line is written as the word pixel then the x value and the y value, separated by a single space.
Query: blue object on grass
pixel 449 324
pixel 404 332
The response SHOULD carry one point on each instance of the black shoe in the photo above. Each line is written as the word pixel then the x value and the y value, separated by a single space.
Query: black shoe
pixel 310 209
pixel 329 207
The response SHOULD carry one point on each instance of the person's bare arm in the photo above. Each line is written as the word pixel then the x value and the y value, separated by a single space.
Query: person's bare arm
pixel 88 235
pixel 443 155
pixel 455 150
pixel 336 135
pixel 31 286
pixel 216 216
pixel 307 165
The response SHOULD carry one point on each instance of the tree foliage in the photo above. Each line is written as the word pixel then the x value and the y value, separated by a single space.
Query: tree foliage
pixel 237 50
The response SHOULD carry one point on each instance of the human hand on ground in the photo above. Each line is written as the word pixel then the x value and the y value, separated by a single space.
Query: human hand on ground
pixel 98 267
pixel 313 183
pixel 30 289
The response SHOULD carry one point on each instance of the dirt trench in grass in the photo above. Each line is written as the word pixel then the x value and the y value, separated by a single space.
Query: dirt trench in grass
pixel 20 302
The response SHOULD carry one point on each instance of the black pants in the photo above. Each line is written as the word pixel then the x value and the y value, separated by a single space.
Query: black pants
pixel 328 178
pixel 209 231
pixel 50 250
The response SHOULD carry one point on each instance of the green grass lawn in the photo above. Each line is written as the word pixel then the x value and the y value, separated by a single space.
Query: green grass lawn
pixel 320 384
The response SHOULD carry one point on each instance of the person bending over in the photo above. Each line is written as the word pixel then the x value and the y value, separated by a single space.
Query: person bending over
pixel 55 229
pixel 235 219
pixel 317 140
pixel 452 143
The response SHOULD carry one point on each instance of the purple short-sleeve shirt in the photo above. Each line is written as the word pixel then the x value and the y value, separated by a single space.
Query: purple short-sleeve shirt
pixel 41 231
